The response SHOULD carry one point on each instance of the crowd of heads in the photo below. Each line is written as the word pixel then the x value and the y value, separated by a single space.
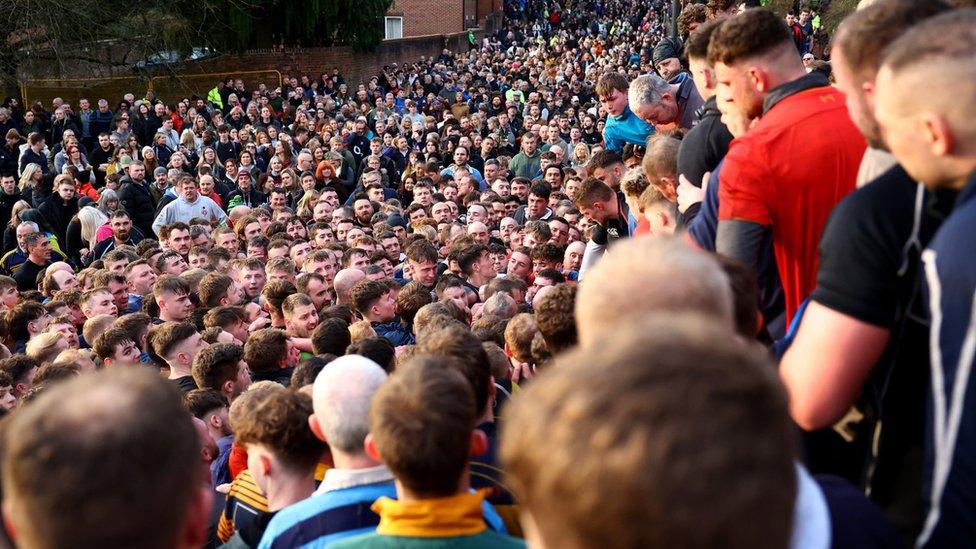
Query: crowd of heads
pixel 580 262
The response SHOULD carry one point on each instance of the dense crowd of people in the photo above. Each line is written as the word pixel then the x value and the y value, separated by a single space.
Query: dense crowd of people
pixel 585 285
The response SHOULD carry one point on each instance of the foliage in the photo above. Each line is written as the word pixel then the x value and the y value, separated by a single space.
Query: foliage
pixel 357 23
pixel 57 33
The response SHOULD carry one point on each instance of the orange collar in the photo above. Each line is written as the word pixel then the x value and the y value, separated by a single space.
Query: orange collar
pixel 452 516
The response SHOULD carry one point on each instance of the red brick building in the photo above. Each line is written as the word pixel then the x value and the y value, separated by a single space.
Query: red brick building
pixel 411 18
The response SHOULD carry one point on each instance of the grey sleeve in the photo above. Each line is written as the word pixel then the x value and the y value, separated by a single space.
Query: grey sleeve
pixel 740 240
pixel 591 254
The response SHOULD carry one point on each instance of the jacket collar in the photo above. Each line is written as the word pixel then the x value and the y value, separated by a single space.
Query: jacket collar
pixel 452 516
pixel 803 83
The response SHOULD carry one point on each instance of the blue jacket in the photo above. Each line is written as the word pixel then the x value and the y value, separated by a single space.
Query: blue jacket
pixel 395 332
pixel 950 464
pixel 626 128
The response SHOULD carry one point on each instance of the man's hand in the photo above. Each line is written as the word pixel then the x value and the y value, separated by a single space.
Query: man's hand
pixel 688 194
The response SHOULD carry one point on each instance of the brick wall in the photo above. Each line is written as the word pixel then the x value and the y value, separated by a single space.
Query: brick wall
pixel 428 17
pixel 354 66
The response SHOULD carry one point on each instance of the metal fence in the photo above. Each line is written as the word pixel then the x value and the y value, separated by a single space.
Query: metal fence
pixel 73 89
pixel 169 88
pixel 173 87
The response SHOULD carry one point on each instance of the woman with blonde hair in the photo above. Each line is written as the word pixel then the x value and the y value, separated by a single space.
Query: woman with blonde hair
pixel 581 155
pixel 306 205
pixel 29 179
pixel 81 235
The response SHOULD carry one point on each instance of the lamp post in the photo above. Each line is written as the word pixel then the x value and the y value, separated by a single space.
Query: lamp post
pixel 675 10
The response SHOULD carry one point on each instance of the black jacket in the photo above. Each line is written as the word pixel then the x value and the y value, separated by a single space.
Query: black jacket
pixel 7 202
pixel 705 145
pixel 138 203
pixel 252 197
pixel 58 214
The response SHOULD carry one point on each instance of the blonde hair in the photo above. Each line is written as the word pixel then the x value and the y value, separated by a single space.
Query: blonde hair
pixel 20 206
pixel 361 330
pixel 91 219
pixel 307 204
pixel 44 347
pixel 26 178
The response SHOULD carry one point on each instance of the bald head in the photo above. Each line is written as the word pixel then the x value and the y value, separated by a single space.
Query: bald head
pixel 341 398
pixel 650 275
pixel 344 281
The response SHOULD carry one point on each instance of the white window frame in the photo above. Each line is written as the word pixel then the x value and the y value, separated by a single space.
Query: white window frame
pixel 386 27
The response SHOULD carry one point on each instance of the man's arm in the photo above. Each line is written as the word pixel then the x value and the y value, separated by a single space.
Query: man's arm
pixel 161 220
pixel 827 364
pixel 591 254
pixel 740 240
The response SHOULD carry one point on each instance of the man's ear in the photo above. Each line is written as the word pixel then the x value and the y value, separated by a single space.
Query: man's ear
pixel 758 79
pixel 709 76
pixel 215 421
pixel 937 134
pixel 479 443
pixel 313 424
pixel 370 446
pixel 663 218
pixel 227 388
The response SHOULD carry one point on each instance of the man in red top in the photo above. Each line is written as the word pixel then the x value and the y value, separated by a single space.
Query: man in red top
pixel 799 159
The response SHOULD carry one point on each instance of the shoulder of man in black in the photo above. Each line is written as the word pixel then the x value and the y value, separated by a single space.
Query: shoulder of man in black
pixel 864 250
pixel 704 146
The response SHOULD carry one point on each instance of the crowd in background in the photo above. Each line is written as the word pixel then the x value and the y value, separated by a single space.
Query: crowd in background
pixel 587 284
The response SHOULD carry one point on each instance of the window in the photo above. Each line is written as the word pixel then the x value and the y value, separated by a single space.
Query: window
pixel 394 28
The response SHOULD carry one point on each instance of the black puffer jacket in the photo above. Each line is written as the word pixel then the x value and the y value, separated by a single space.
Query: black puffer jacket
pixel 138 203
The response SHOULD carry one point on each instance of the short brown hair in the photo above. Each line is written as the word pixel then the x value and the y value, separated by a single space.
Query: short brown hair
pixel 421 420
pixel 518 336
pixel 216 364
pixel 865 33
pixel 275 292
pixel 331 336
pixel 661 159
pixel 168 335
pixel 87 428
pixel 554 316
pixel 108 341
pixel 611 81
pixel 749 34
pixel 696 45
pixel 169 284
pixel 265 349
pixel 666 384
pixel 279 422
pixel 213 287
pixel 456 341
pixel 421 251
pixel 224 316
pixel 365 293
pixel 410 299
pixel 590 191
